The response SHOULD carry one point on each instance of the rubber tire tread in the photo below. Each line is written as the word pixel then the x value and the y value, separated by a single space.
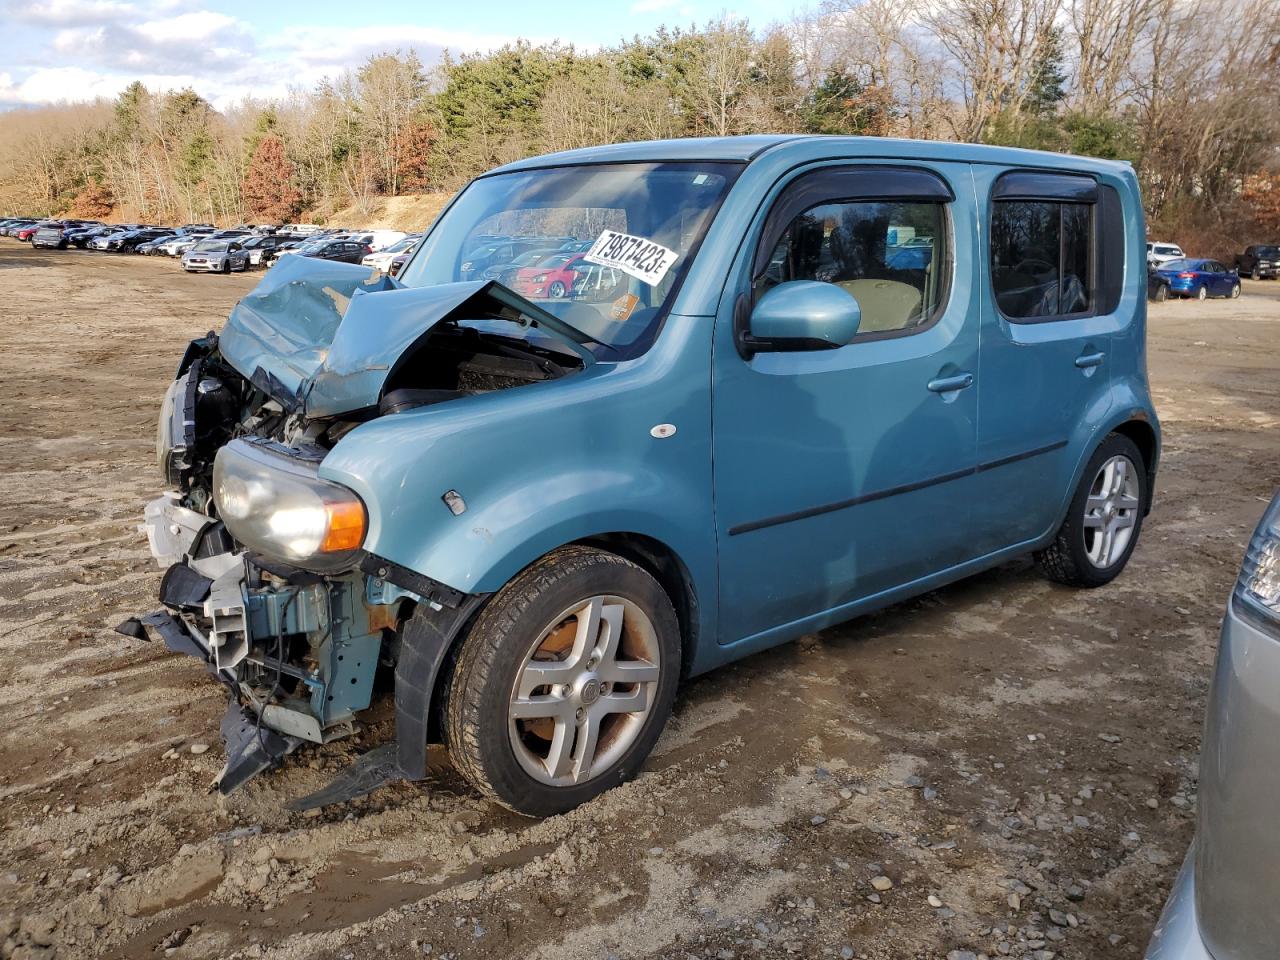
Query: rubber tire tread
pixel 1064 560
pixel 494 640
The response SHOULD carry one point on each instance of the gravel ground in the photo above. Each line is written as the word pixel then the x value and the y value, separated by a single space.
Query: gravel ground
pixel 1002 767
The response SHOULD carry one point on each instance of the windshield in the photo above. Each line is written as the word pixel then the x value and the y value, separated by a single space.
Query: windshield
pixel 400 246
pixel 644 219
pixel 210 246
pixel 1269 251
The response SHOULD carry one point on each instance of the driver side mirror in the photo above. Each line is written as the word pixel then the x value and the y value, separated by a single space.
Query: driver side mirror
pixel 802 315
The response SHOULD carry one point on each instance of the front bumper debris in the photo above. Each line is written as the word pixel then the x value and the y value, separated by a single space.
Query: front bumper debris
pixel 296 651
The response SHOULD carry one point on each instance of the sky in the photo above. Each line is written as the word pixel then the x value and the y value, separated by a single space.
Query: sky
pixel 71 50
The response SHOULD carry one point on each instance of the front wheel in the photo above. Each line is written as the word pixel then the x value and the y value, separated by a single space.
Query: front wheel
pixel 1102 525
pixel 1257 274
pixel 556 290
pixel 564 682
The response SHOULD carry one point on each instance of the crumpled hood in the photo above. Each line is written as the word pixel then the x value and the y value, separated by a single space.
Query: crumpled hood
pixel 322 337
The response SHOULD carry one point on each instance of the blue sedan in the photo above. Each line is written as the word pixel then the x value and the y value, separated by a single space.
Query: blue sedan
pixel 1200 279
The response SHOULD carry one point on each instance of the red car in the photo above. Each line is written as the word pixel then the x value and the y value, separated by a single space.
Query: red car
pixel 26 233
pixel 551 278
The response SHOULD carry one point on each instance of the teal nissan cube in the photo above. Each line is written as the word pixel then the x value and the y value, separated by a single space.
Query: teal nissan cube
pixel 728 392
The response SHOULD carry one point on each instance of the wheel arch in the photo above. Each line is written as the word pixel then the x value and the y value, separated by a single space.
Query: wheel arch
pixel 652 555
pixel 662 563
pixel 1144 437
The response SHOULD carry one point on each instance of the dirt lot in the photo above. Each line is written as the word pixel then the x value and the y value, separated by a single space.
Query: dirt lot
pixel 999 750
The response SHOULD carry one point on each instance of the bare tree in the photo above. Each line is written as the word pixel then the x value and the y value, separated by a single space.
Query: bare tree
pixel 993 47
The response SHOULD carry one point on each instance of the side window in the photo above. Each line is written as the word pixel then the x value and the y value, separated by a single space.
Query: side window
pixel 1042 257
pixel 890 255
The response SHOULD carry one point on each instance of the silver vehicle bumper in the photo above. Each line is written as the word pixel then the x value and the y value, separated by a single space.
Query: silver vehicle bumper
pixel 1177 934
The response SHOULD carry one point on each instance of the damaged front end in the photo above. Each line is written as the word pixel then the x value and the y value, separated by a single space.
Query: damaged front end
pixel 266 581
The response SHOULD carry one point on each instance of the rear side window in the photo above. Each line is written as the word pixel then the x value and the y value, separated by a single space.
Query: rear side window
pixel 1058 245
pixel 1041 258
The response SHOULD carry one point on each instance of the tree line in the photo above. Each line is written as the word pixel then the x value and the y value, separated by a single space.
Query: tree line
pixel 1184 89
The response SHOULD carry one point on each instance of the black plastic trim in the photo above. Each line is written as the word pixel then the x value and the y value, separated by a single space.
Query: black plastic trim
pixel 892 491
pixel 842 184
pixel 407 579
pixel 1039 185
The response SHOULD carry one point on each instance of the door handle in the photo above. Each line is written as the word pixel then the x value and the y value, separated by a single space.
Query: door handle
pixel 1086 360
pixel 947 384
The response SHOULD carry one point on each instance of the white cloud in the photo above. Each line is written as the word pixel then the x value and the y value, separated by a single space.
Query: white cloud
pixel 59 85
pixel 168 45
pixel 64 12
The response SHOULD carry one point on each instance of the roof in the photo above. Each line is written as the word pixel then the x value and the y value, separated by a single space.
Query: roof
pixel 808 147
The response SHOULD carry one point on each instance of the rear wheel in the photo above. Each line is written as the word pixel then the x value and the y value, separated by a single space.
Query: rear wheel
pixel 563 684
pixel 1105 517
pixel 1202 293
pixel 1162 294
pixel 1235 291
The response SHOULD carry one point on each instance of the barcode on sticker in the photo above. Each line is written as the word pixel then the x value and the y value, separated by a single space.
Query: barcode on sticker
pixel 635 256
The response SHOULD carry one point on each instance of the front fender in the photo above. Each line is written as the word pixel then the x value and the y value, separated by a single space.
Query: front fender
pixel 543 465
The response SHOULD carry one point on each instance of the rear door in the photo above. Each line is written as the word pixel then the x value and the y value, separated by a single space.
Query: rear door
pixel 1054 256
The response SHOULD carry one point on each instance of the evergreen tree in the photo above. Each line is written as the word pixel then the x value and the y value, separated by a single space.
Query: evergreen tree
pixel 268 189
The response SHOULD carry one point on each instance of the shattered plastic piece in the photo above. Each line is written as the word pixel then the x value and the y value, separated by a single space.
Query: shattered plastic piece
pixel 363 775
pixel 251 748
pixel 133 628
pixel 175 635
pixel 183 588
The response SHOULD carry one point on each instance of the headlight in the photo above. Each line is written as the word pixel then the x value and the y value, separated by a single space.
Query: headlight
pixel 1258 588
pixel 467 265
pixel 540 278
pixel 273 502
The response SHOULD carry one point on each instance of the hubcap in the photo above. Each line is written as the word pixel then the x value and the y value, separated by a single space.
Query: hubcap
pixel 584 692
pixel 1111 511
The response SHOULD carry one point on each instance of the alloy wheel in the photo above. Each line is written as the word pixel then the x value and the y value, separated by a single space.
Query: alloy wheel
pixel 586 688
pixel 1111 511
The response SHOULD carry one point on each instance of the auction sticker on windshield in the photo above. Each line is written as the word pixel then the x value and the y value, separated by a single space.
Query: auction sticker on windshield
pixel 634 256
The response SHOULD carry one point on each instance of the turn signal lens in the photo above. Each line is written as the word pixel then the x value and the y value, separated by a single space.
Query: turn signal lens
pixel 346 527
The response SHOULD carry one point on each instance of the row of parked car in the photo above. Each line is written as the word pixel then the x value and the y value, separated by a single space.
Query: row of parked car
pixel 1170 272
pixel 202 248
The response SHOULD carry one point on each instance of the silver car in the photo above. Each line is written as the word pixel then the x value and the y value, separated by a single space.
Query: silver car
pixel 1223 905
pixel 215 256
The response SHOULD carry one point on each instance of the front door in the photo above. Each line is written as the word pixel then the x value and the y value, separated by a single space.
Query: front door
pixel 841 474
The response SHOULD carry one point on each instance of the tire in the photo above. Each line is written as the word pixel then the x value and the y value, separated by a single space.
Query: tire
pixel 556 290
pixel 1069 558
pixel 1202 293
pixel 1257 274
pixel 500 754
pixel 1162 294
pixel 1235 291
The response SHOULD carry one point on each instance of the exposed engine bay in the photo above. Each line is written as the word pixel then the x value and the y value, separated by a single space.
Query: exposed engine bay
pixel 299 640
